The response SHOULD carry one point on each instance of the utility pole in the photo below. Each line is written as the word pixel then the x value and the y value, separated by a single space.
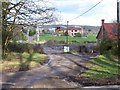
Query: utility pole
pixel 37 29
pixel 66 48
pixel 67 33
pixel 118 27
pixel 28 37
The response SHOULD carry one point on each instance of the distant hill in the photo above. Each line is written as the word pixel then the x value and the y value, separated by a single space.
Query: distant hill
pixel 94 29
pixel 86 27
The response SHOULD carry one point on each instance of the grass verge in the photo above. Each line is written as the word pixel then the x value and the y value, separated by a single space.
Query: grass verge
pixel 102 66
pixel 26 61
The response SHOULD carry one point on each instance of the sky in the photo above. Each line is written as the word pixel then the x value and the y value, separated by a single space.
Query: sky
pixel 69 9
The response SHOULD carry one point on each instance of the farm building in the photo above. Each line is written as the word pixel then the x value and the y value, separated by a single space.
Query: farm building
pixel 72 31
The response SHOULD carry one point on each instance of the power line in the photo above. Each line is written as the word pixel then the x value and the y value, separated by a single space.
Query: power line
pixel 87 10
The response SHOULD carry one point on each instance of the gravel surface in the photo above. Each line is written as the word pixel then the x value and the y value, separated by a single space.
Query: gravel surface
pixel 51 75
pixel 59 72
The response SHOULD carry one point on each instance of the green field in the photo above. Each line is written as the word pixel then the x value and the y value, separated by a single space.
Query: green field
pixel 47 37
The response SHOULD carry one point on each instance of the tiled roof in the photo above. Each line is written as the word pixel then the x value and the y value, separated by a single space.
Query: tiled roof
pixel 74 28
pixel 111 29
pixel 69 28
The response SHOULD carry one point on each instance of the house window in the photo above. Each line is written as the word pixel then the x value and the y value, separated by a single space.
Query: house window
pixel 114 30
pixel 75 30
pixel 72 30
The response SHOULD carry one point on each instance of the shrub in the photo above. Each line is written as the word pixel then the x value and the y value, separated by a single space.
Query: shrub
pixel 115 50
pixel 78 35
pixel 25 47
pixel 109 46
pixel 38 49
pixel 105 46
pixel 32 32
pixel 51 42
pixel 62 42
pixel 74 42
pixel 17 47
pixel 20 36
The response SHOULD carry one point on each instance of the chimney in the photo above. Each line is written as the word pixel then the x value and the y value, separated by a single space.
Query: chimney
pixel 102 21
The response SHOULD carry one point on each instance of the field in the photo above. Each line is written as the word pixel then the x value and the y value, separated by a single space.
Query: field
pixel 47 37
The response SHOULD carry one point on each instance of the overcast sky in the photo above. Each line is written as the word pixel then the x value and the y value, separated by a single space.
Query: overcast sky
pixel 69 9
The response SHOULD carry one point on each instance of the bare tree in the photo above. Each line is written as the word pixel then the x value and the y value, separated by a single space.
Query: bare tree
pixel 26 12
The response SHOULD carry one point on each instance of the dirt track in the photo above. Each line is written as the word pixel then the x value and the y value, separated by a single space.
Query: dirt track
pixel 55 74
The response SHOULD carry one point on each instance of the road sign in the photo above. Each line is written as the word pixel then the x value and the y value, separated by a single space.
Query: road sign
pixel 66 49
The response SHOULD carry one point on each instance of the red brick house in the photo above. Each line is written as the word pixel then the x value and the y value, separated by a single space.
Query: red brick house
pixel 107 31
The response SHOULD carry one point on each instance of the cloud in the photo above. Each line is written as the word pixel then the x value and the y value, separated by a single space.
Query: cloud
pixel 72 8
pixel 79 21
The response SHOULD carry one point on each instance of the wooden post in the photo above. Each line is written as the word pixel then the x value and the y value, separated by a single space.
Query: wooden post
pixel 67 33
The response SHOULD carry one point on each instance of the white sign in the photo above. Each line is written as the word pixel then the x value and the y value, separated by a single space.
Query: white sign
pixel 66 49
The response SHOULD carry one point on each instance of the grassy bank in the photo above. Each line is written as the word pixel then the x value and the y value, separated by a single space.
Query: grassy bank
pixel 102 66
pixel 22 61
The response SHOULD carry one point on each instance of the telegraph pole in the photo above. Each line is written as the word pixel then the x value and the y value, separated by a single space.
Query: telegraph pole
pixel 37 29
pixel 66 48
pixel 67 33
pixel 118 27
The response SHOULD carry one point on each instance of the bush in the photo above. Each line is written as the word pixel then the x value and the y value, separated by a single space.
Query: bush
pixel 20 36
pixel 89 41
pixel 38 49
pixel 32 32
pixel 109 46
pixel 105 46
pixel 25 47
pixel 51 42
pixel 75 42
pixel 78 35
pixel 17 47
pixel 115 50
pixel 62 42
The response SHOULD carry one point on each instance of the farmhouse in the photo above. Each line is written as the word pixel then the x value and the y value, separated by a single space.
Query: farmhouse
pixel 72 31
pixel 107 31
pixel 59 31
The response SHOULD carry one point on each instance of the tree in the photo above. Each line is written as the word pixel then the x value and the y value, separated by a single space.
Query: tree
pixel 78 35
pixel 7 25
pixel 32 32
pixel 25 12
